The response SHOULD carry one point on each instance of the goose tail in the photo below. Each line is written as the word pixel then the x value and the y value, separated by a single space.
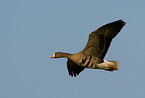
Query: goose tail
pixel 112 65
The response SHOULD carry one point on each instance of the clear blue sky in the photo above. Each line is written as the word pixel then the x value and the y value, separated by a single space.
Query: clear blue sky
pixel 32 30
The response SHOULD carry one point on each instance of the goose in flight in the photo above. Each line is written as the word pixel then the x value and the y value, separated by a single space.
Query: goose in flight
pixel 92 56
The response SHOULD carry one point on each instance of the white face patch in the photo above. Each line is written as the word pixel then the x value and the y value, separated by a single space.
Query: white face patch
pixel 53 55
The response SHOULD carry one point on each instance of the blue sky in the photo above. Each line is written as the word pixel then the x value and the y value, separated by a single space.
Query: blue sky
pixel 32 30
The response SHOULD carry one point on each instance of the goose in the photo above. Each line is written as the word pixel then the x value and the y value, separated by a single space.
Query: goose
pixel 92 56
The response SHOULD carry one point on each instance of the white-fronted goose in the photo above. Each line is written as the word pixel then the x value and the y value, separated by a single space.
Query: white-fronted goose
pixel 92 56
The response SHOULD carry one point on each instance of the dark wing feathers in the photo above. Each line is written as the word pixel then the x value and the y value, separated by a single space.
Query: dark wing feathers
pixel 106 47
pixel 73 68
pixel 111 29
pixel 100 39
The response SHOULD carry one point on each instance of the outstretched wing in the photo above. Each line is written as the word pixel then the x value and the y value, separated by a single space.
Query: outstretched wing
pixel 73 68
pixel 100 39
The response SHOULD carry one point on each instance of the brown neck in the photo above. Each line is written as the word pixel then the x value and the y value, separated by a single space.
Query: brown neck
pixel 63 55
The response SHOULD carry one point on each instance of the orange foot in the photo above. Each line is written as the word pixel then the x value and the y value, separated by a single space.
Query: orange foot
pixel 111 67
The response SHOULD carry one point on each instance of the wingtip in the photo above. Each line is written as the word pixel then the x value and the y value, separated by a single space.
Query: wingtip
pixel 121 20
